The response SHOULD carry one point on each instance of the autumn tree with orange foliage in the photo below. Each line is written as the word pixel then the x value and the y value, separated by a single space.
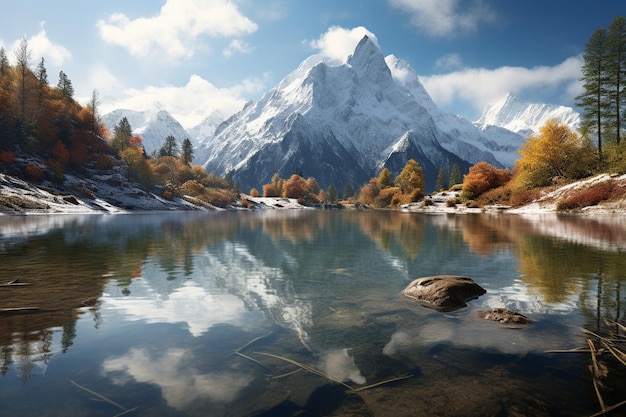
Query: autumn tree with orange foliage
pixel 483 177
pixel 556 152
pixel 384 191
pixel 274 188
pixel 295 187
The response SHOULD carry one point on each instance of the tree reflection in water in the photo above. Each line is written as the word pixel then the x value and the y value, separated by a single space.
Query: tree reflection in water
pixel 287 264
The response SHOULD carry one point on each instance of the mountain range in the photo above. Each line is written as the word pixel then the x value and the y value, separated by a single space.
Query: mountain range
pixel 341 124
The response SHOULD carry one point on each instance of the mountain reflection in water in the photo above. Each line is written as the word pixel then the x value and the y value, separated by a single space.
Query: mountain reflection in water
pixel 185 314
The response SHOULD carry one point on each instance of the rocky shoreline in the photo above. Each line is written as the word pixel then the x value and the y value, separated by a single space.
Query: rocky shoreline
pixel 102 195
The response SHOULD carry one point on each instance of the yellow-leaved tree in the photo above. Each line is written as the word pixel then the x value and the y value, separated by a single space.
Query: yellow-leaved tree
pixel 556 152
pixel 411 180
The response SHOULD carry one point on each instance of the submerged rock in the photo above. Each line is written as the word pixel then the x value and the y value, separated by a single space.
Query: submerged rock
pixel 443 292
pixel 507 317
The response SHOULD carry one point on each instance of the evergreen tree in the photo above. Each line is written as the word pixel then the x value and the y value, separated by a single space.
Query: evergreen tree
pixel 42 78
pixel 94 105
pixel 441 179
pixel 22 64
pixel 593 100
pixel 347 191
pixel 169 147
pixel 455 176
pixel 65 85
pixel 4 62
pixel 122 133
pixel 616 74
pixel 332 193
pixel 187 152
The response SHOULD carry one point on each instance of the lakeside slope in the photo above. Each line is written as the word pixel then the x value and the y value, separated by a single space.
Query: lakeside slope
pixel 77 195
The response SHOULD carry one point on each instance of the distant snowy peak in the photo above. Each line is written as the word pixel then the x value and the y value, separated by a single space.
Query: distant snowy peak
pixel 206 128
pixel 525 118
pixel 153 126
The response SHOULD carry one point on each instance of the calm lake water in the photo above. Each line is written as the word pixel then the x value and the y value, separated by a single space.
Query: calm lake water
pixel 282 313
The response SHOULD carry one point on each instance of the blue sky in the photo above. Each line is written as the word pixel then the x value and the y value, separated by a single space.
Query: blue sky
pixel 195 56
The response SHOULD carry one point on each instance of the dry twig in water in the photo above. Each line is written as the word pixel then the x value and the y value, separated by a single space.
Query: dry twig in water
pixel 351 390
pixel 100 396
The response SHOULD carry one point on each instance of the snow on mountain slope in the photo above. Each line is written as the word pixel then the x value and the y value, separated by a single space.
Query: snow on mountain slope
pixel 525 118
pixel 342 123
pixel 206 128
pixel 501 143
pixel 152 125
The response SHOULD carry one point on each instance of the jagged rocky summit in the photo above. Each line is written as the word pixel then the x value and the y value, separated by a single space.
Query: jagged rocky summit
pixel 342 123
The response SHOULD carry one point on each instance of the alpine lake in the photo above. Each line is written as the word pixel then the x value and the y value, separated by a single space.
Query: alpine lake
pixel 300 313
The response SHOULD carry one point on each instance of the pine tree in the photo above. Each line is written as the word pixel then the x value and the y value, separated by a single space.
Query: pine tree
pixel 187 152
pixel 23 63
pixel 347 191
pixel 4 62
pixel 593 100
pixel 332 193
pixel 65 85
pixel 42 77
pixel 441 179
pixel 122 133
pixel 94 105
pixel 169 147
pixel 616 74
pixel 455 176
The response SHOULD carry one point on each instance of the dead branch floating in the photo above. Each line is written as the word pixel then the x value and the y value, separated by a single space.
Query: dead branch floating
pixel 597 372
pixel 15 284
pixel 256 339
pixel 306 368
pixel 596 368
pixel 123 413
pixel 312 370
pixel 17 310
pixel 102 397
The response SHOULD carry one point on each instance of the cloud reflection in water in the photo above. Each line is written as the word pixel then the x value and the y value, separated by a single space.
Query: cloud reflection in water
pixel 180 383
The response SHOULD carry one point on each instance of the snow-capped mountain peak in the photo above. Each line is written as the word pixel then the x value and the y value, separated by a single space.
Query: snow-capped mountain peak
pixel 152 125
pixel 525 118
pixel 341 122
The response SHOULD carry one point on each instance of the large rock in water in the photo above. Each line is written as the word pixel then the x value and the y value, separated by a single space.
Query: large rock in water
pixel 443 292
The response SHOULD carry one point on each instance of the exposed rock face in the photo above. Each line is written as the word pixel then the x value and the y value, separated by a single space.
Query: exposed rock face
pixel 443 292
pixel 507 317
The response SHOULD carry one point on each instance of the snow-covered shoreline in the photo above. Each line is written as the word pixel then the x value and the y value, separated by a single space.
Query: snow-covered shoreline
pixel 78 196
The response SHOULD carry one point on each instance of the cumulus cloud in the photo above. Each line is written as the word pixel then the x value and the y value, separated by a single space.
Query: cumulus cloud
pixel 338 43
pixel 40 46
pixel 442 18
pixel 236 46
pixel 177 28
pixel 190 103
pixel 480 86
pixel 450 61
pixel 180 383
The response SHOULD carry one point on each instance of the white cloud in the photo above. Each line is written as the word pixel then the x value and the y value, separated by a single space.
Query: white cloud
pixel 40 46
pixel 103 80
pixel 450 61
pixel 176 29
pixel 236 46
pixel 480 86
pixel 189 104
pixel 446 17
pixel 338 43
pixel 180 383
